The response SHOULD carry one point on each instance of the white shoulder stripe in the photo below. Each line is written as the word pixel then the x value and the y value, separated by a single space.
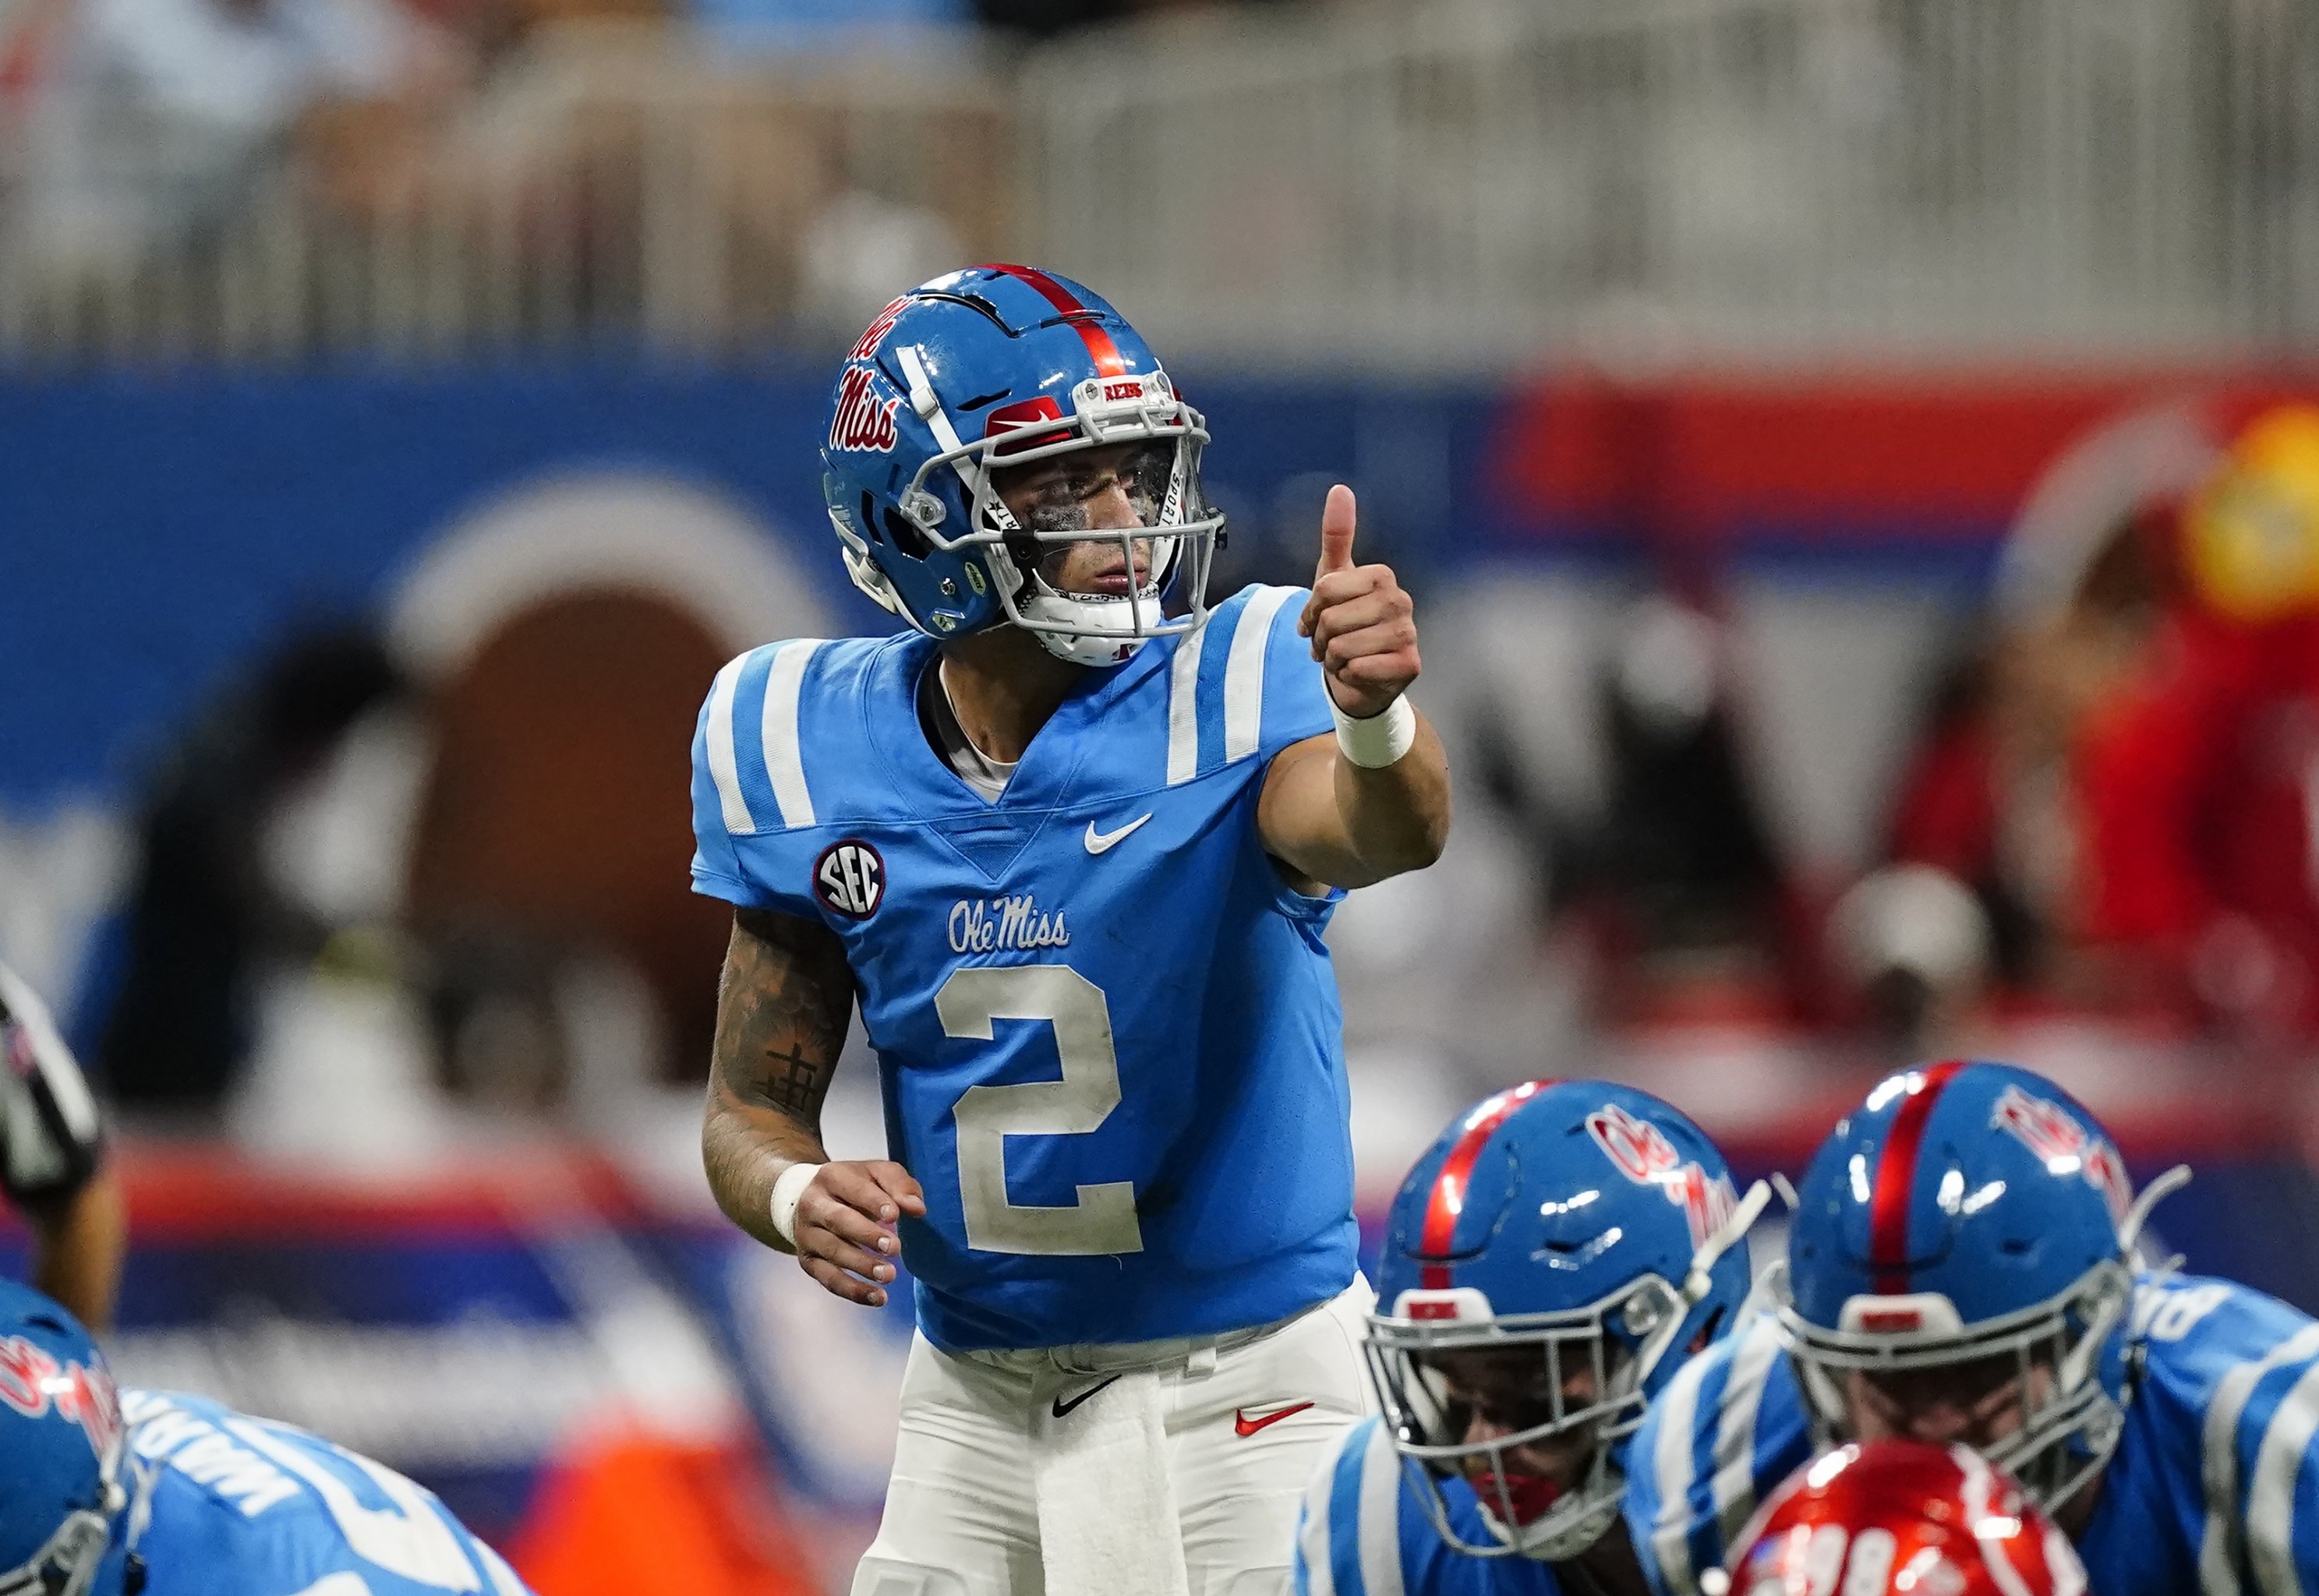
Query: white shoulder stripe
pixel 1244 671
pixel 784 758
pixel 1313 1532
pixel 2271 1501
pixel 1184 710
pixel 1735 1428
pixel 722 764
pixel 1380 1478
pixel 2219 1548
pixel 1678 1433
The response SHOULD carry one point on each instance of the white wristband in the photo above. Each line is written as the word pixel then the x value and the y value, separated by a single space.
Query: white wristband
pixel 1377 740
pixel 788 1190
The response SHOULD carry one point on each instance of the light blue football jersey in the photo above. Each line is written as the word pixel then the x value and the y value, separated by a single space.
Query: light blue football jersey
pixel 1107 1029
pixel 1364 1531
pixel 2213 1488
pixel 236 1506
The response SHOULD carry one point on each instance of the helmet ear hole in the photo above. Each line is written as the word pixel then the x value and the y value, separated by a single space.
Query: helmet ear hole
pixel 906 537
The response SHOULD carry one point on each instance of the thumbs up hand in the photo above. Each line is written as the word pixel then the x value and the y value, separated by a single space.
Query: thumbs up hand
pixel 1362 625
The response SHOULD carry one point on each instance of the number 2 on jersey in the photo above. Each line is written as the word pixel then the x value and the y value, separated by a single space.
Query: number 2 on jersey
pixel 1103 1221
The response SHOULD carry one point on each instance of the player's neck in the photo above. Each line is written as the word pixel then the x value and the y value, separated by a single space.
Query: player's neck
pixel 2073 1515
pixel 1607 1568
pixel 1003 687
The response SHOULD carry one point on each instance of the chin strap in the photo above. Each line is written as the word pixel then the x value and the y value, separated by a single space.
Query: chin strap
pixel 1742 1219
pixel 2137 1214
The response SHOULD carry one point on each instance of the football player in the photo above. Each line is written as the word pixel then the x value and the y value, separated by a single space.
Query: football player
pixel 1962 1269
pixel 1547 1267
pixel 1069 839
pixel 1900 1517
pixel 106 1494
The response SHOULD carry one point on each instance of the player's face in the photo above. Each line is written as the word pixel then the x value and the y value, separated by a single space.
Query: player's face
pixel 1978 1404
pixel 1111 489
pixel 1503 1392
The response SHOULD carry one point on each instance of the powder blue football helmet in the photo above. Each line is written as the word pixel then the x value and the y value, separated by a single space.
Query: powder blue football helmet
pixel 1973 1213
pixel 65 1476
pixel 999 366
pixel 1587 1219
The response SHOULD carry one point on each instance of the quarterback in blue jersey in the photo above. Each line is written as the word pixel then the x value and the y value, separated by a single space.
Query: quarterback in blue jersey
pixel 1962 1269
pixel 1069 839
pixel 137 1493
pixel 1548 1265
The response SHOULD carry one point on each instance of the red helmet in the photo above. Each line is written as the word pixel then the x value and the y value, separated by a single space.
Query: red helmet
pixel 1903 1518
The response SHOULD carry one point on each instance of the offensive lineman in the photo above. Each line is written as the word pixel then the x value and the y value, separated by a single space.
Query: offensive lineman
pixel 1961 1270
pixel 141 1493
pixel 1073 854
pixel 1548 1267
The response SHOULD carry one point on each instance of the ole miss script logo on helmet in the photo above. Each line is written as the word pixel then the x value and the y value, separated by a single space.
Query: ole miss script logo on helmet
pixel 32 1382
pixel 1645 1156
pixel 863 421
pixel 2052 1132
pixel 849 879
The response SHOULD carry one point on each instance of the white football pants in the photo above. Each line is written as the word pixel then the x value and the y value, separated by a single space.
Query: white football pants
pixel 962 1518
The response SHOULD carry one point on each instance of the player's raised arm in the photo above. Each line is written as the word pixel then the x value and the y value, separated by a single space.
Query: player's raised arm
pixel 782 1010
pixel 1373 800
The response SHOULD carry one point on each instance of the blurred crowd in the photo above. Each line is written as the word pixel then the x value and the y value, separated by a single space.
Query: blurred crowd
pixel 187 147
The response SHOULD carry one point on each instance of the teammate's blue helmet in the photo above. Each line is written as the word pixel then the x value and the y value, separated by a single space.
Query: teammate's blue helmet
pixel 64 1470
pixel 1972 1213
pixel 998 366
pixel 1588 1219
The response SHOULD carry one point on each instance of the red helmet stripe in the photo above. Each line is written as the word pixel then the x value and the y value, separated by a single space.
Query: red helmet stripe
pixel 1896 1179
pixel 1449 1198
pixel 1104 353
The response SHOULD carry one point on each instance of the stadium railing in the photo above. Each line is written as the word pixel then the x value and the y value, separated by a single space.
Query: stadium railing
pixel 1470 185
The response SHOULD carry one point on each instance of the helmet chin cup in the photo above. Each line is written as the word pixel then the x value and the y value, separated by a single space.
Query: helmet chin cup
pixel 1583 1517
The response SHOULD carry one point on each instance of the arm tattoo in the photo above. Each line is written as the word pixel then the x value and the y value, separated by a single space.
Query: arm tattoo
pixel 781 1013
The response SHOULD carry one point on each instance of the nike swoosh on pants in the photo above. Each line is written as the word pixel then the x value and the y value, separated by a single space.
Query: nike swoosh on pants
pixel 1243 1425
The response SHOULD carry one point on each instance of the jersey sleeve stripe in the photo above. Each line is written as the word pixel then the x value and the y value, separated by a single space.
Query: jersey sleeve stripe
pixel 1244 672
pixel 2271 1501
pixel 784 753
pixel 1342 1550
pixel 1674 1469
pixel 2218 1549
pixel 1380 1536
pixel 1314 1576
pixel 1735 1430
pixel 723 767
pixel 1184 709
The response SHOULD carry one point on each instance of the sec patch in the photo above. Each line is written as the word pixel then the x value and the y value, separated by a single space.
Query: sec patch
pixel 849 879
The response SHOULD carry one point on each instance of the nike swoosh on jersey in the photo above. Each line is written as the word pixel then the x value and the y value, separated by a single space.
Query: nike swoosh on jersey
pixel 1103 841
pixel 1243 1425
pixel 1063 1407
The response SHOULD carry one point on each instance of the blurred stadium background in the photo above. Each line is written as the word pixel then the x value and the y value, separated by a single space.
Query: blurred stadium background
pixel 1846 453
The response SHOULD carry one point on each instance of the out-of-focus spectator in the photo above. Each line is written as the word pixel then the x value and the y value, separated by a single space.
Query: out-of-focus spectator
pixel 209 914
pixel 52 1160
pixel 2197 778
pixel 1680 876
pixel 148 119
pixel 2125 784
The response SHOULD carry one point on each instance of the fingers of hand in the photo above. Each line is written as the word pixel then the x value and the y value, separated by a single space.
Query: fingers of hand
pixel 1338 518
pixel 1339 588
pixel 900 1184
pixel 839 1284
pixel 858 1186
pixel 1383 605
